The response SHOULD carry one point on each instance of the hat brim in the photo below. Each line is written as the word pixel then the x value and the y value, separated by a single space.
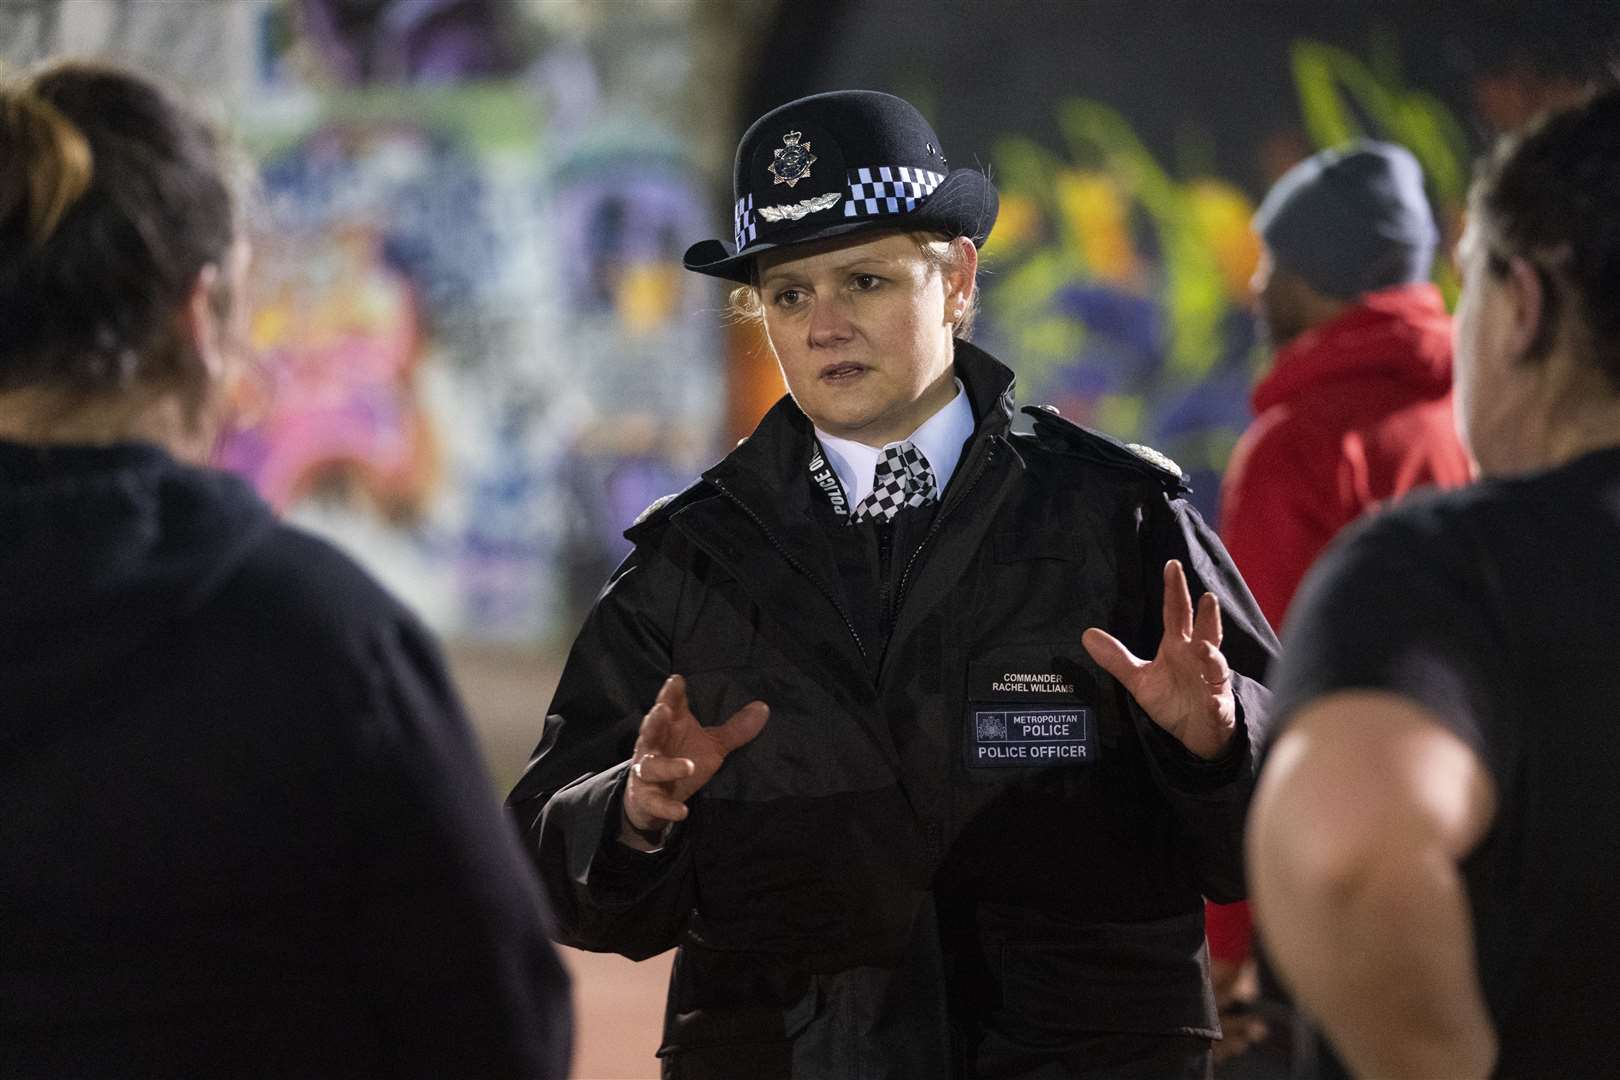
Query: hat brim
pixel 964 204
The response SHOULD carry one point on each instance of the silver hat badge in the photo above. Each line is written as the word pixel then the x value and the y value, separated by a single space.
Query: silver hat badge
pixel 792 160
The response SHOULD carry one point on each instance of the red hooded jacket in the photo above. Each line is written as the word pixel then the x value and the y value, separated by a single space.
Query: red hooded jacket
pixel 1356 412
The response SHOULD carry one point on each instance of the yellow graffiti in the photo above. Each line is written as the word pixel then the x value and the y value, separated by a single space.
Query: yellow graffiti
pixel 1081 218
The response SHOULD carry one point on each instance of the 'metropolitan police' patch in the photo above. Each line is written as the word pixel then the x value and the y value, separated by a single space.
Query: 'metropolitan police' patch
pixel 1028 736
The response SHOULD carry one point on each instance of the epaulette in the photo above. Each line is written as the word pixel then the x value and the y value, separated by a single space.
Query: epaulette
pixel 664 506
pixel 1067 437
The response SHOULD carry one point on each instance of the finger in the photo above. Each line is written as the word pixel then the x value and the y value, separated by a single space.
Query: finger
pixel 656 769
pixel 654 733
pixel 648 804
pixel 1111 656
pixel 1207 623
pixel 673 694
pixel 1178 615
pixel 1213 668
pixel 744 725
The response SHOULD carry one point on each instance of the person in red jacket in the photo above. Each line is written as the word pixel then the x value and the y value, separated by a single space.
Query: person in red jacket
pixel 1356 410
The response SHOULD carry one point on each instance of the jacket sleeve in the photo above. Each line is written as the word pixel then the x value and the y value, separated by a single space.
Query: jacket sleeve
pixel 1209 798
pixel 607 897
pixel 450 941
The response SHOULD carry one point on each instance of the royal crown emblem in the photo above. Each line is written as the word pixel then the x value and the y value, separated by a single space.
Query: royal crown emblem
pixel 792 160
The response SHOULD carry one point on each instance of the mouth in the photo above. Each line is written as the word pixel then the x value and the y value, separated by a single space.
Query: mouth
pixel 842 372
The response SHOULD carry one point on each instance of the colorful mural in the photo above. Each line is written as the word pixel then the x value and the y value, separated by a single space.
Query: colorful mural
pixel 476 358
pixel 1123 289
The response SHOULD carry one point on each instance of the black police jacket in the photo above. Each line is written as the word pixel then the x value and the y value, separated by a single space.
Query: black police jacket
pixel 896 862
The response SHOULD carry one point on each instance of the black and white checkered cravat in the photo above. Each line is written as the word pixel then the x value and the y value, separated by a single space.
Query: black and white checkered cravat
pixel 902 478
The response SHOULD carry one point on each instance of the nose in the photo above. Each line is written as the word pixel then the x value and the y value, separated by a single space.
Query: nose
pixel 829 323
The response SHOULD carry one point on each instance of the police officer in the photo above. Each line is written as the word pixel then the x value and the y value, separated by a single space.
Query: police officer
pixel 862 726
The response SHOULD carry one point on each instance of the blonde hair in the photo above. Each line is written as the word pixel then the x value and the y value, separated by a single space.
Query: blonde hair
pixel 942 252
pixel 47 168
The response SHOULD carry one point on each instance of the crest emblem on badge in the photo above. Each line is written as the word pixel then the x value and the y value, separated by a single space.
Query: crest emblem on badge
pixel 992 726
pixel 792 160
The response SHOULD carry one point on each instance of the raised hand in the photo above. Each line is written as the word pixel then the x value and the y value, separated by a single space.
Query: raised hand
pixel 674 757
pixel 1187 688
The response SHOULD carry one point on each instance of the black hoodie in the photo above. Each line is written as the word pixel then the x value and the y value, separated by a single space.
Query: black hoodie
pixel 244 829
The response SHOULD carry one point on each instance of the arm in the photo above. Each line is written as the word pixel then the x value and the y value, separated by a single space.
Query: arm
pixel 1367 805
pixel 1199 706
pixel 450 940
pixel 608 783
pixel 569 801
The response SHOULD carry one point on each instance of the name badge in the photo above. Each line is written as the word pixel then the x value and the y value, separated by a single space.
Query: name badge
pixel 1026 737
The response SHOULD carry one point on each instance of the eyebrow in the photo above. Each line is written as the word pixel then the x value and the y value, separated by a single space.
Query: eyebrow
pixel 877 261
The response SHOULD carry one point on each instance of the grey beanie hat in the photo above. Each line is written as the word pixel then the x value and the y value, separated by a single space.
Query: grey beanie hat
pixel 1351 220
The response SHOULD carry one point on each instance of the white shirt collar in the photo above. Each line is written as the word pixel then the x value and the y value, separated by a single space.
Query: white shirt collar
pixel 940 439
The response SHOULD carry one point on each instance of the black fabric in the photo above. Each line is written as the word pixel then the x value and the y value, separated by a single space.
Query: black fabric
pixel 246 828
pixel 812 863
pixel 1492 608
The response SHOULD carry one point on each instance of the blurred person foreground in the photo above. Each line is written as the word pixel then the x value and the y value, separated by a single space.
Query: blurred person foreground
pixel 1432 839
pixel 1355 412
pixel 246 829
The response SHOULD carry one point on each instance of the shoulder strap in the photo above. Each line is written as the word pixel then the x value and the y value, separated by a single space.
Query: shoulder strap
pixel 664 507
pixel 1066 437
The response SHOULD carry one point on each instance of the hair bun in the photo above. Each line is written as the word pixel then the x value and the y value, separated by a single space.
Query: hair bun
pixel 45 166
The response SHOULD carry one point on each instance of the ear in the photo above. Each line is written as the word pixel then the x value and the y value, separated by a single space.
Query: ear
pixel 1527 306
pixel 960 277
pixel 199 327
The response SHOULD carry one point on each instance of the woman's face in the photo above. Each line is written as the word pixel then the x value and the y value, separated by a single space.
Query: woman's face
pixel 1491 383
pixel 863 330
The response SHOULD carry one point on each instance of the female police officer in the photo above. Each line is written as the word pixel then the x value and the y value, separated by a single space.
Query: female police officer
pixel 900 820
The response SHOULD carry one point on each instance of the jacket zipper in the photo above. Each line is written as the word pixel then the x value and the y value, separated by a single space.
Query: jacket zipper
pixel 939 519
pixel 885 539
pixel 800 567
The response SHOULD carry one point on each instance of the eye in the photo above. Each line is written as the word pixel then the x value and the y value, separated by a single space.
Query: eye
pixel 865 282
pixel 787 298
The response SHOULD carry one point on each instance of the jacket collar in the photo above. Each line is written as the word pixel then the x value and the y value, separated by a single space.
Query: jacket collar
pixel 777 455
pixel 1401 334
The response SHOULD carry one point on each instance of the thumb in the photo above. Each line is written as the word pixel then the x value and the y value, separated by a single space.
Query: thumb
pixel 744 724
pixel 1111 656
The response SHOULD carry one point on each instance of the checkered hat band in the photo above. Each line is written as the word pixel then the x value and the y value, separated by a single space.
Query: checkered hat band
pixel 888 189
pixel 902 478
pixel 744 226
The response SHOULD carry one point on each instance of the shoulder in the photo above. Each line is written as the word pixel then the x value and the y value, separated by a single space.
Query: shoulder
pixel 658 513
pixel 1424 543
pixel 299 599
pixel 1291 440
pixel 1069 446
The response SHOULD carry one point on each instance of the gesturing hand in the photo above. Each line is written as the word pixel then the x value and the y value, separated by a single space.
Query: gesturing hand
pixel 674 757
pixel 1187 688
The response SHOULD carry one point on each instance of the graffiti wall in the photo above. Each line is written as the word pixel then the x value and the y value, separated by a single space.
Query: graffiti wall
pixel 1131 144
pixel 477 358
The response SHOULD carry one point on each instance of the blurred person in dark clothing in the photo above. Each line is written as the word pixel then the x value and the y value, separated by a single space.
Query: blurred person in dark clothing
pixel 1432 846
pixel 1355 412
pixel 244 828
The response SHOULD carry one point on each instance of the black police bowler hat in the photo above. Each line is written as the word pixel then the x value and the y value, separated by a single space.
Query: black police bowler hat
pixel 838 163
